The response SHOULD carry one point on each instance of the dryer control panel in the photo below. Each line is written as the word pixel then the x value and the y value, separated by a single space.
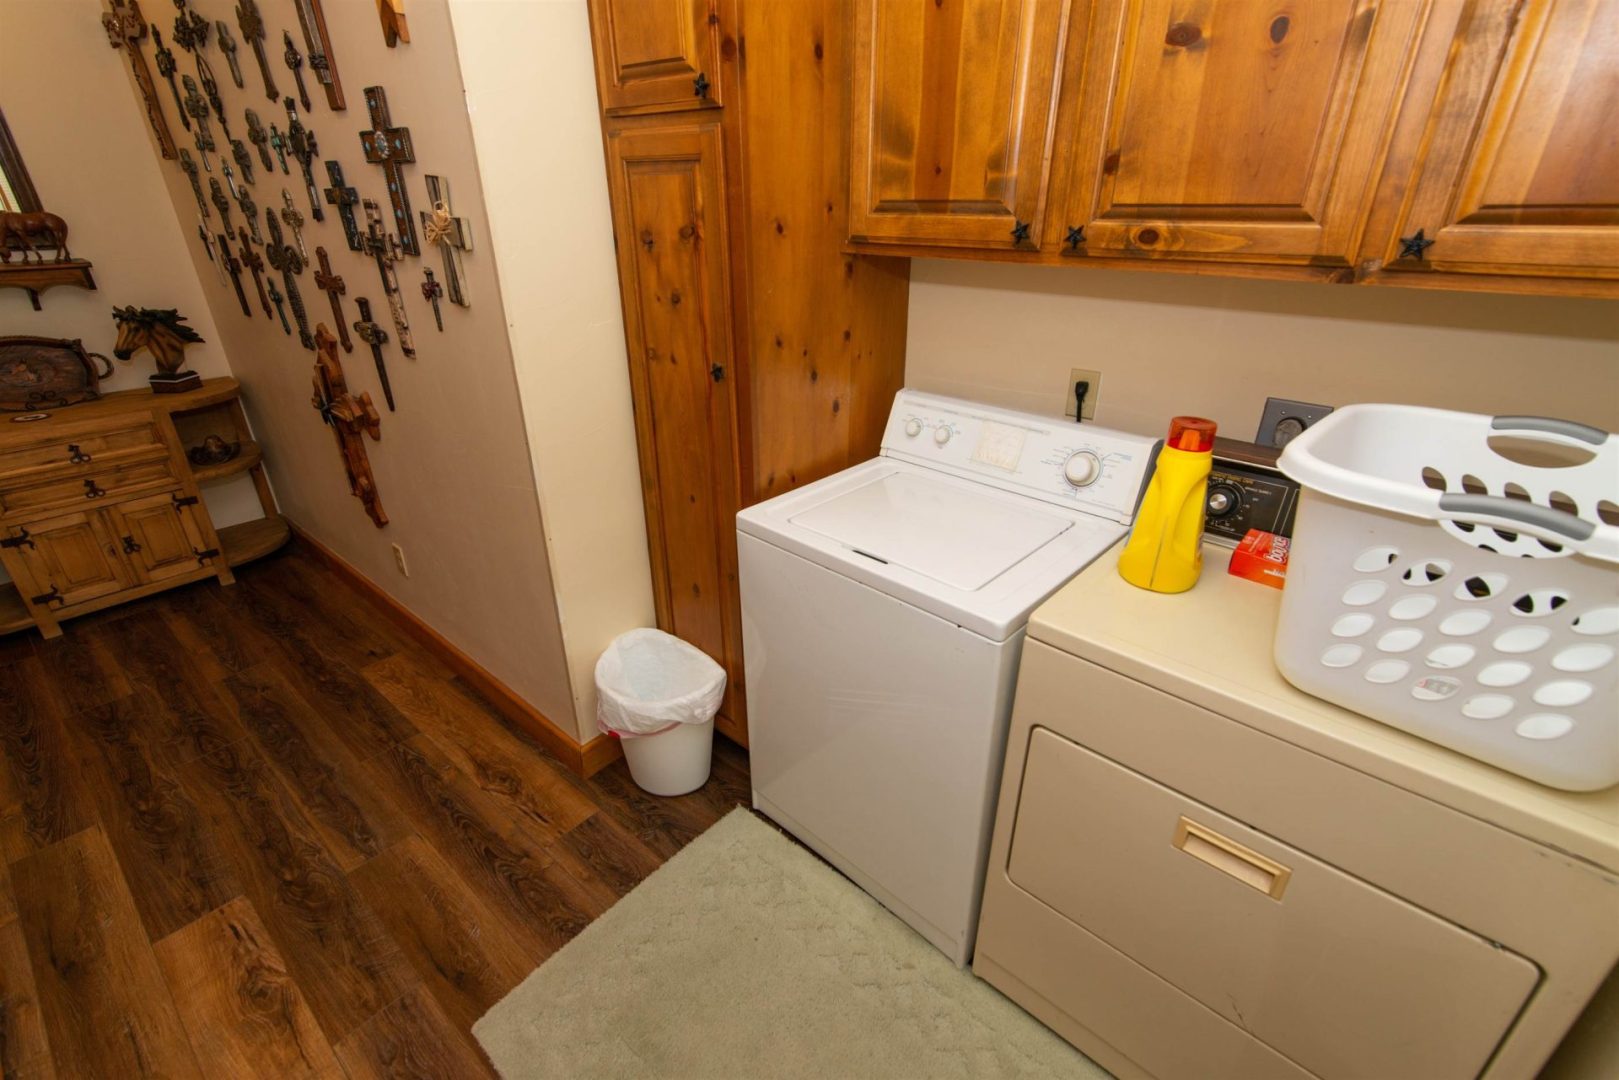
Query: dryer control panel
pixel 1091 468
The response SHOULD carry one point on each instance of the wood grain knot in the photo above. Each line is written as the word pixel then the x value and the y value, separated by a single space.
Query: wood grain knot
pixel 1183 34
pixel 1110 164
pixel 1279 27
pixel 674 298
pixel 728 49
pixel 688 231
pixel 819 52
pixel 1147 236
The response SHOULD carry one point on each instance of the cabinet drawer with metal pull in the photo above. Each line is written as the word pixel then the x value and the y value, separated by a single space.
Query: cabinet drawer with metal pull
pixel 1310 960
pixel 96 486
pixel 77 447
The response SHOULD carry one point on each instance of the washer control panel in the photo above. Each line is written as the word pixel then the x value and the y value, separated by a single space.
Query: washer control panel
pixel 1096 469
pixel 1243 496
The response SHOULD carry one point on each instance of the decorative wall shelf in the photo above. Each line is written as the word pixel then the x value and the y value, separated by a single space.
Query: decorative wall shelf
pixel 35 277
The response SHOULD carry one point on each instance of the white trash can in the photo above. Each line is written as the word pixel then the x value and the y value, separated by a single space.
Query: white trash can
pixel 658 695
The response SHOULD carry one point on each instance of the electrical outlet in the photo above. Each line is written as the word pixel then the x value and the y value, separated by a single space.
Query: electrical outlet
pixel 1284 419
pixel 1092 377
pixel 399 560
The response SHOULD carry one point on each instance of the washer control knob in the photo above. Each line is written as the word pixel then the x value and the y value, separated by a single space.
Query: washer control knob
pixel 913 428
pixel 1223 500
pixel 1082 469
pixel 941 434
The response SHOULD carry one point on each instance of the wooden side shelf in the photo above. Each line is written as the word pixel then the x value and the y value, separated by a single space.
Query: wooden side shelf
pixel 252 539
pixel 250 456
pixel 13 615
pixel 35 278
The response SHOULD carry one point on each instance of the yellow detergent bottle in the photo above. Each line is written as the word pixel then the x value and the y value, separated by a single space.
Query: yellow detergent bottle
pixel 1165 549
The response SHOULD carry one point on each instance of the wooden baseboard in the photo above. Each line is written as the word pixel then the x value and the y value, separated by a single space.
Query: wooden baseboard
pixel 585 759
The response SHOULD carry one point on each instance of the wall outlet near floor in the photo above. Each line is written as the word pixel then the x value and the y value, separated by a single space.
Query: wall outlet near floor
pixel 1284 419
pixel 1092 377
pixel 399 560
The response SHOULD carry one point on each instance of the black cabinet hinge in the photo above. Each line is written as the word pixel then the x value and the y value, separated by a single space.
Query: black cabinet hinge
pixel 183 500
pixel 131 546
pixel 47 599
pixel 18 541
pixel 205 554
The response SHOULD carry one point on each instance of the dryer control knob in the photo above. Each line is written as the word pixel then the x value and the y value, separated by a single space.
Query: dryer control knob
pixel 913 428
pixel 941 434
pixel 1082 469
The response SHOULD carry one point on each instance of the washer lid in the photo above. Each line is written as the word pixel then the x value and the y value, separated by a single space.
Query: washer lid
pixel 954 536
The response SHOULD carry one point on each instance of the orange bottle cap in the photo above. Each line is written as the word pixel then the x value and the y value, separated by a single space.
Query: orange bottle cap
pixel 1193 434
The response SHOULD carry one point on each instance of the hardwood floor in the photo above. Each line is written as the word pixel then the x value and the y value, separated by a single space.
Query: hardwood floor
pixel 257 831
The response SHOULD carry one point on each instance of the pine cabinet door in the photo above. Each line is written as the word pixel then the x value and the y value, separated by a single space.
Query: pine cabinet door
pixel 669 224
pixel 71 559
pixel 1518 171
pixel 655 55
pixel 952 120
pixel 1234 130
pixel 160 538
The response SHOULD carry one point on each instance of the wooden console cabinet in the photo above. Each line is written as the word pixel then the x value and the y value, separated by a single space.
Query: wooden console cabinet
pixel 99 503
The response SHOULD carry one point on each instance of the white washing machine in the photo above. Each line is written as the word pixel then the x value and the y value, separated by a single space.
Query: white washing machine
pixel 883 614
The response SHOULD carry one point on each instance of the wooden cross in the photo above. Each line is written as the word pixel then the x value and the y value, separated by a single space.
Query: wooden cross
pixel 385 249
pixel 394 27
pixel 319 47
pixel 345 199
pixel 351 418
pixel 255 263
pixel 390 147
pixel 333 286
pixel 451 234
pixel 125 26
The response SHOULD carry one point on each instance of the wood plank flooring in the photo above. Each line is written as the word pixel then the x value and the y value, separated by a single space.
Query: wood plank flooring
pixel 258 832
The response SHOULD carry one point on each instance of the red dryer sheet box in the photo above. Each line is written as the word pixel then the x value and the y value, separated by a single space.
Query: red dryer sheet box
pixel 1261 557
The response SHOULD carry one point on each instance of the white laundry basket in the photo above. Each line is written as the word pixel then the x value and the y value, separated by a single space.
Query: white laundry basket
pixel 1442 587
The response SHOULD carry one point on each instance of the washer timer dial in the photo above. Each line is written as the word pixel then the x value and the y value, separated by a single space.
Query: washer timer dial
pixel 941 434
pixel 1082 469
pixel 913 428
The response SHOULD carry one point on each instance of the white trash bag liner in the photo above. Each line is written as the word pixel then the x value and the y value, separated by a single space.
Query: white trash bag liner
pixel 658 695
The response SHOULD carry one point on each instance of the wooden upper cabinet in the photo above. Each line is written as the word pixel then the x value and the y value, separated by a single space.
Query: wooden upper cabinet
pixel 1233 129
pixel 655 55
pixel 1517 171
pixel 954 102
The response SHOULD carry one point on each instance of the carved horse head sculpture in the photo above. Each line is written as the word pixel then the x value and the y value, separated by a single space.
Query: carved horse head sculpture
pixel 161 330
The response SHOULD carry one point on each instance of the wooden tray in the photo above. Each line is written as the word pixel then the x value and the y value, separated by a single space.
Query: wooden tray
pixel 47 373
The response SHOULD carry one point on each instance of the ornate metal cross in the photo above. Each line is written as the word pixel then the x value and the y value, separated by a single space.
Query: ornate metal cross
pixel 166 68
pixel 295 61
pixel 198 108
pixel 345 199
pixel 385 250
pixel 190 29
pixel 390 147
pixel 375 336
pixel 259 138
pixel 431 291
pixel 125 26
pixel 208 249
pixel 230 179
pixel 243 159
pixel 318 44
pixel 301 141
pixel 250 210
pixel 255 263
pixel 210 86
pixel 278 143
pixel 450 234
pixel 217 194
pixel 188 165
pixel 333 286
pixel 233 266
pixel 251 24
pixel 227 45
pixel 276 298
pixel 295 222
pixel 285 258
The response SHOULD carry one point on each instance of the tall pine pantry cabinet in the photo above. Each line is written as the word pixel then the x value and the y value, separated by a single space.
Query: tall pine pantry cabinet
pixel 761 355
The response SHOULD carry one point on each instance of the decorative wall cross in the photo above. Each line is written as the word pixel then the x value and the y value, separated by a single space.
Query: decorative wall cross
pixel 390 147
pixel 125 26
pixel 208 249
pixel 285 258
pixel 295 222
pixel 351 418
pixel 166 68
pixel 385 250
pixel 190 29
pixel 243 159
pixel 188 165
pixel 295 61
pixel 201 137
pixel 278 143
pixel 333 286
pixel 217 193
pixel 233 266
pixel 375 336
pixel 227 45
pixel 230 180
pixel 276 298
pixel 394 27
pixel 210 86
pixel 251 24
pixel 255 264
pixel 259 138
pixel 250 210
pixel 318 44
pixel 345 199
pixel 450 234
pixel 301 142
pixel 431 291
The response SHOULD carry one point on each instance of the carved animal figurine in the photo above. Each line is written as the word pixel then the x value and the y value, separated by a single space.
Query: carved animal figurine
pixel 350 417
pixel 163 331
pixel 28 232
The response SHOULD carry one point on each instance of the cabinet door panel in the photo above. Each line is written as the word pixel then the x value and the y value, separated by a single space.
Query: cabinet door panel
pixel 72 555
pixel 650 53
pixel 1519 171
pixel 669 225
pixel 1231 129
pixel 159 539
pixel 951 127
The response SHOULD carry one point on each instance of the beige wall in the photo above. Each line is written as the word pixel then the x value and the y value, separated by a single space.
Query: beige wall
pixel 1176 343
pixel 453 467
pixel 527 69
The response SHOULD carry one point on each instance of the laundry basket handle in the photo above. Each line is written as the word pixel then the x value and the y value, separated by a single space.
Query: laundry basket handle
pixel 1543 518
pixel 1549 425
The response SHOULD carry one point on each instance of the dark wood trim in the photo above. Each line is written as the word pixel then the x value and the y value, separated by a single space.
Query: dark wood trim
pixel 22 185
pixel 584 759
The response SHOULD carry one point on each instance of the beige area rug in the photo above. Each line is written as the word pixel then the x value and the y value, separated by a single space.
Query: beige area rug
pixel 744 956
